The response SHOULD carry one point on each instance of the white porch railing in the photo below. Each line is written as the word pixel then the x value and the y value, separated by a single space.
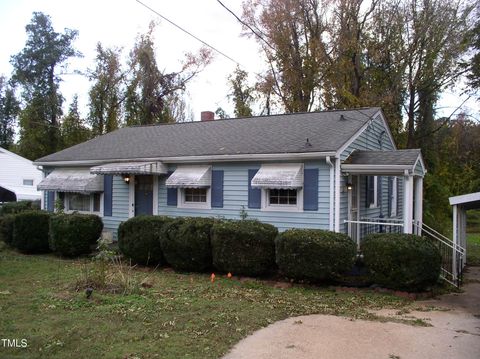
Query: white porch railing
pixel 453 255
pixel 357 230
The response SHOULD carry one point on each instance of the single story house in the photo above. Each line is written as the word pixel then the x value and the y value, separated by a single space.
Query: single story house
pixel 334 170
pixel 18 178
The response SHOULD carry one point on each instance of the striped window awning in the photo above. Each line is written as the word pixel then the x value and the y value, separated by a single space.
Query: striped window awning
pixel 66 180
pixel 134 168
pixel 190 177
pixel 279 176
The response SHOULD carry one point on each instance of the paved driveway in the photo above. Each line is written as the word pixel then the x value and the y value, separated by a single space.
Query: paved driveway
pixel 455 333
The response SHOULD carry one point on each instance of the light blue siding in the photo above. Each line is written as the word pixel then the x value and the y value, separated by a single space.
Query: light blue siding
pixel 236 195
pixel 374 138
pixel 419 170
pixel 119 205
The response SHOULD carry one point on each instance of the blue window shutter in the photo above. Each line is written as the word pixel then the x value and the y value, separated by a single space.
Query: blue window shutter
pixel 50 201
pixel 217 189
pixel 254 194
pixel 107 195
pixel 171 194
pixel 310 189
pixel 390 192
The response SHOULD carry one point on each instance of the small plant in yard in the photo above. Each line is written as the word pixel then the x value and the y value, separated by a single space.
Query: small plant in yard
pixel 243 213
pixel 59 206
pixel 106 272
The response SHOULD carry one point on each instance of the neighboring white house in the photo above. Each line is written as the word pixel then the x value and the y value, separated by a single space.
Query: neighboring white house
pixel 19 178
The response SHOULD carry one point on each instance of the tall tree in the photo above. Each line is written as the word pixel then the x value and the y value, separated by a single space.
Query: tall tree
pixel 73 129
pixel 241 93
pixel 474 65
pixel 149 90
pixel 106 92
pixel 292 35
pixel 435 35
pixel 9 108
pixel 36 69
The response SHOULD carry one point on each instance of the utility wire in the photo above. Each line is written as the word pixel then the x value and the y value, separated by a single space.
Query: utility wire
pixel 246 25
pixel 188 32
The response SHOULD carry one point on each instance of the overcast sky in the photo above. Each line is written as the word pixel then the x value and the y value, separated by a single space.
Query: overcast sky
pixel 117 23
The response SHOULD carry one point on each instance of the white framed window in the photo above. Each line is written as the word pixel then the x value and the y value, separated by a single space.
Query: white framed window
pixel 84 203
pixel 28 182
pixel 286 200
pixel 194 198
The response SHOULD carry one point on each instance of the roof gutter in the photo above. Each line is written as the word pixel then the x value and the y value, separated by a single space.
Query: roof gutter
pixel 197 159
pixel 377 169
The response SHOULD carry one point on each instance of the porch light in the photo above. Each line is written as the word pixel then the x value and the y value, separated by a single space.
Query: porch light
pixel 126 178
pixel 349 186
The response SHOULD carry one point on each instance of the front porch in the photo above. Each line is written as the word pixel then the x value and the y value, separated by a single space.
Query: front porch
pixel 384 192
pixel 398 208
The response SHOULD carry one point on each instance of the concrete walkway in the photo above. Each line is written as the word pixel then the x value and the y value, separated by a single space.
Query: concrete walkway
pixel 455 333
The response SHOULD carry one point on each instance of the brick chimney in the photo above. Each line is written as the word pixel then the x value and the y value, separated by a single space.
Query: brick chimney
pixel 207 116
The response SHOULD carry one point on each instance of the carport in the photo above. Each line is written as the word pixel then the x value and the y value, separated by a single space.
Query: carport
pixel 461 204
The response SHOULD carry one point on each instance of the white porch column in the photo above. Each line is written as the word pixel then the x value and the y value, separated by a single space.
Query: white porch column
pixel 455 242
pixel 337 195
pixel 407 203
pixel 419 204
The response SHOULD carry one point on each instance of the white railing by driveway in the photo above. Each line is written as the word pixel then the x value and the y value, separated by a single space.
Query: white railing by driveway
pixel 453 254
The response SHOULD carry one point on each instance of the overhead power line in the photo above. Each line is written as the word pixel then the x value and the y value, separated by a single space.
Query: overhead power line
pixel 246 25
pixel 188 32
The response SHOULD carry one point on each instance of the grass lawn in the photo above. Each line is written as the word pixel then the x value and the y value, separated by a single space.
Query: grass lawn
pixel 181 316
pixel 473 249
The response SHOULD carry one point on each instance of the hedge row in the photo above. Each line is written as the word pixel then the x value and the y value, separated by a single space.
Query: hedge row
pixel 249 247
pixel 17 207
pixel 34 231
pixel 245 247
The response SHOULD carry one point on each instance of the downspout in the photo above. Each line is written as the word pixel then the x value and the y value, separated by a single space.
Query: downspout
pixel 332 193
pixel 337 194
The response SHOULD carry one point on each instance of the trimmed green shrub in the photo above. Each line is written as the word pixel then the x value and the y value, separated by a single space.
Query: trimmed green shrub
pixel 314 254
pixel 6 228
pixel 243 247
pixel 74 234
pixel 185 243
pixel 139 239
pixel 402 261
pixel 17 207
pixel 30 231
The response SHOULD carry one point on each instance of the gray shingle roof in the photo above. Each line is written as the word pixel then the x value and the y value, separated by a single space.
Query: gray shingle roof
pixel 398 157
pixel 326 131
